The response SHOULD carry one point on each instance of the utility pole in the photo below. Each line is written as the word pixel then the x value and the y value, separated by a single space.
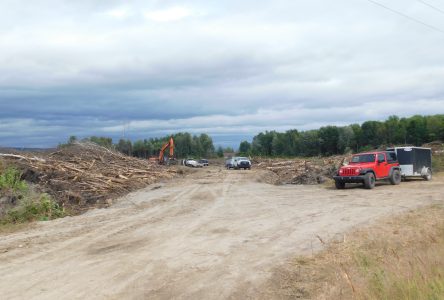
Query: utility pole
pixel 125 129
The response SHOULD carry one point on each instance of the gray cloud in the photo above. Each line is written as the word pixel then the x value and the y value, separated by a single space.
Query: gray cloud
pixel 230 69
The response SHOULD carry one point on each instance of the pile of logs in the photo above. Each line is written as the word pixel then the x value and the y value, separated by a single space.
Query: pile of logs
pixel 302 171
pixel 85 174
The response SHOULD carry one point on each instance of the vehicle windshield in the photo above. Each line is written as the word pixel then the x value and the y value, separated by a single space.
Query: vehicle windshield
pixel 363 158
pixel 242 158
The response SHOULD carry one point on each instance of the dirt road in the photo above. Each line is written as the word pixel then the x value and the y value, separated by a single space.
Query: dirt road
pixel 210 235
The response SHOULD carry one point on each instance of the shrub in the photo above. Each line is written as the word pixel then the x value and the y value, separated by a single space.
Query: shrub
pixel 10 180
pixel 42 209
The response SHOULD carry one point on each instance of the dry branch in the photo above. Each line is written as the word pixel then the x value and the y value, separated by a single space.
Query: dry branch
pixel 7 155
pixel 302 171
pixel 87 173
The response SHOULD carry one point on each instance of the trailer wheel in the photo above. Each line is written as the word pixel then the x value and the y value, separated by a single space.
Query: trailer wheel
pixel 428 175
pixel 339 184
pixel 395 179
pixel 369 181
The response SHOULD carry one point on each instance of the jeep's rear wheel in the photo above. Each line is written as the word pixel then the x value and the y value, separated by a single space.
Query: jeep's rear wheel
pixel 369 181
pixel 395 179
pixel 339 184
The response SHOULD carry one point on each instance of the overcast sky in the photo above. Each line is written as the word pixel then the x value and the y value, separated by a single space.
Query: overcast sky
pixel 227 68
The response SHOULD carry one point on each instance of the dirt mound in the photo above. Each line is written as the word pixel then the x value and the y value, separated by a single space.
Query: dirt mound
pixel 86 175
pixel 301 171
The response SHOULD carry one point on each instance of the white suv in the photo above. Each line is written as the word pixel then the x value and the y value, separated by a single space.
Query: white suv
pixel 193 163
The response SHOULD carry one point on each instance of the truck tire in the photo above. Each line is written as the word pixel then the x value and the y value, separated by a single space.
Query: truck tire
pixel 428 175
pixel 395 178
pixel 369 180
pixel 339 184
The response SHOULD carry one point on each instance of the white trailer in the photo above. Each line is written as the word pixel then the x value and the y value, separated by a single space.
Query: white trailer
pixel 414 161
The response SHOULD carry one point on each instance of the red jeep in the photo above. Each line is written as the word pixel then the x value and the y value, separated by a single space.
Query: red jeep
pixel 368 167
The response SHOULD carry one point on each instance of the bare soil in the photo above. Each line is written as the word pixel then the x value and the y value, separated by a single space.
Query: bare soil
pixel 212 234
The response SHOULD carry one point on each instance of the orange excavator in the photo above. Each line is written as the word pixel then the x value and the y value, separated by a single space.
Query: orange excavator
pixel 170 144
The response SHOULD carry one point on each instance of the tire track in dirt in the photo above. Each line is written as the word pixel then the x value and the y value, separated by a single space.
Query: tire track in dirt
pixel 213 234
pixel 114 226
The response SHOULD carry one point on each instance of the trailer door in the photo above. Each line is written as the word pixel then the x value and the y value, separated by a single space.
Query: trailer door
pixel 405 159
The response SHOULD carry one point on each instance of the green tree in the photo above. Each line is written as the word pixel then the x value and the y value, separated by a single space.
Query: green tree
pixel 148 146
pixel 72 139
pixel 278 144
pixel 101 141
pixel 435 128
pixel 328 140
pixel 263 143
pixel 229 150
pixel 244 148
pixel 310 145
pixel 220 151
pixel 206 144
pixel 292 142
pixel 184 144
pixel 125 146
pixel 346 139
pixel 139 149
pixel 370 135
pixel 416 130
pixel 196 147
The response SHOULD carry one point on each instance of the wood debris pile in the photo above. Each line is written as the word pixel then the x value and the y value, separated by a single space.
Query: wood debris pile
pixel 84 175
pixel 437 147
pixel 302 171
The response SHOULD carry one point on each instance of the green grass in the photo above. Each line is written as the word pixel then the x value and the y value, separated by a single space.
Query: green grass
pixel 10 181
pixel 438 163
pixel 42 209
pixel 31 205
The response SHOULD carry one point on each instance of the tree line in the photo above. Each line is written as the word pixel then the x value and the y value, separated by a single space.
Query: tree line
pixel 186 145
pixel 331 140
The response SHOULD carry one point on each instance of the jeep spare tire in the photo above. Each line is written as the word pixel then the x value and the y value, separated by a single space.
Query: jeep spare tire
pixel 369 181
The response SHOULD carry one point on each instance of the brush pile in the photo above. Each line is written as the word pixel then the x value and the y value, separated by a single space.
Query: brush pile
pixel 302 171
pixel 437 147
pixel 86 175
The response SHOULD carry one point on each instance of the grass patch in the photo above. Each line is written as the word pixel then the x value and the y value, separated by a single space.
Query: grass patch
pixel 22 204
pixel 399 258
pixel 10 181
pixel 42 209
pixel 438 163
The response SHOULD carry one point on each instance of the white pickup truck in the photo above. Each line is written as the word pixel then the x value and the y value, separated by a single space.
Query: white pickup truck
pixel 241 163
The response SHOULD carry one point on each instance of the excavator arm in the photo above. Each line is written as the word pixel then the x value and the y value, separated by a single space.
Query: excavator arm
pixel 171 147
pixel 170 144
